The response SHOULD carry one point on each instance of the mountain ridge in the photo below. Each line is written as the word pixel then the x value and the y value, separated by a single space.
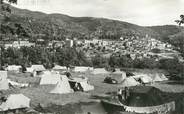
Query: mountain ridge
pixel 63 26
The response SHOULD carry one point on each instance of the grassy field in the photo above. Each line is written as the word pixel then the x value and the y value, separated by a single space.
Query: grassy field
pixel 40 95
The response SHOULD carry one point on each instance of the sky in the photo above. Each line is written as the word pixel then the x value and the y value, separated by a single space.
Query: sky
pixel 141 12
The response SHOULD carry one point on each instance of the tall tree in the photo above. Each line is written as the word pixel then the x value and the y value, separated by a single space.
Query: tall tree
pixel 4 14
pixel 181 21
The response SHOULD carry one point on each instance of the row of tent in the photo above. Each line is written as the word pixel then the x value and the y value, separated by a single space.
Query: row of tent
pixel 62 82
pixel 28 69
pixel 134 78
pixel 76 69
pixel 79 69
pixel 95 71
pixel 39 68
pixel 144 78
pixel 62 86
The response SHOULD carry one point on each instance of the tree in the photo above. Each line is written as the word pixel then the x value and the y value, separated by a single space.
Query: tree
pixel 113 61
pixel 181 21
pixel 99 61
pixel 5 8
pixel 20 31
pixel 5 11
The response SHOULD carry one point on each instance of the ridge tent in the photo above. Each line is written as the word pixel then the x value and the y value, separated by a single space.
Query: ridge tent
pixel 163 77
pixel 86 86
pixel 156 78
pixel 13 68
pixel 119 77
pixel 50 78
pixel 82 69
pixel 58 67
pixel 47 72
pixel 38 68
pixel 129 81
pixel 15 101
pixel 146 79
pixel 62 87
pixel 29 69
pixel 143 78
pixel 117 71
pixel 123 75
pixel 13 83
pixel 100 71
pixel 32 71
pixel 3 80
pixel 82 84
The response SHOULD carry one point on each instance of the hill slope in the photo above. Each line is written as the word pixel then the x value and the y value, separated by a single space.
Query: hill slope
pixel 59 26
pixel 166 31
pixel 63 26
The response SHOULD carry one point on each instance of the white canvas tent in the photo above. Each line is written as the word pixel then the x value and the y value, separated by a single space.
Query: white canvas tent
pixel 3 80
pixel 129 81
pixel 50 78
pixel 100 71
pixel 13 83
pixel 44 73
pixel 123 75
pixel 38 67
pixel 58 67
pixel 82 69
pixel 163 77
pixel 15 101
pixel 118 71
pixel 29 69
pixel 119 77
pixel 62 87
pixel 48 72
pixel 13 68
pixel 85 86
pixel 156 78
pixel 32 71
pixel 144 78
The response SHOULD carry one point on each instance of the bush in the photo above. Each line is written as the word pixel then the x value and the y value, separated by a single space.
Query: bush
pixel 145 63
pixel 99 61
pixel 174 68
pixel 156 50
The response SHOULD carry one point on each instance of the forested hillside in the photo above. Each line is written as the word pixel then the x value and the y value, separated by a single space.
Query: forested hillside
pixel 58 26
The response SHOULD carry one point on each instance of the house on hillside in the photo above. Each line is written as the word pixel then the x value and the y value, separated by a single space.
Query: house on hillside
pixel 18 44
pixel 69 43
pixel 56 44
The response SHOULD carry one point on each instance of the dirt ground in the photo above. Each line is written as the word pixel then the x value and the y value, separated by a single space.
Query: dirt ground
pixel 40 95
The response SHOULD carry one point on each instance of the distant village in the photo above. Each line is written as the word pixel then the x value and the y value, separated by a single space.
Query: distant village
pixel 133 47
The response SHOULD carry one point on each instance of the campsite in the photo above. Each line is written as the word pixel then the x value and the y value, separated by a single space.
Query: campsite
pixel 91 57
pixel 50 92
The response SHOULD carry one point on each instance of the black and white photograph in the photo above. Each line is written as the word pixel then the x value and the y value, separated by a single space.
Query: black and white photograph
pixel 91 56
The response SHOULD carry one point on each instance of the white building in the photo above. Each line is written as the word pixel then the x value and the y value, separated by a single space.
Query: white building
pixel 18 44
pixel 69 43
